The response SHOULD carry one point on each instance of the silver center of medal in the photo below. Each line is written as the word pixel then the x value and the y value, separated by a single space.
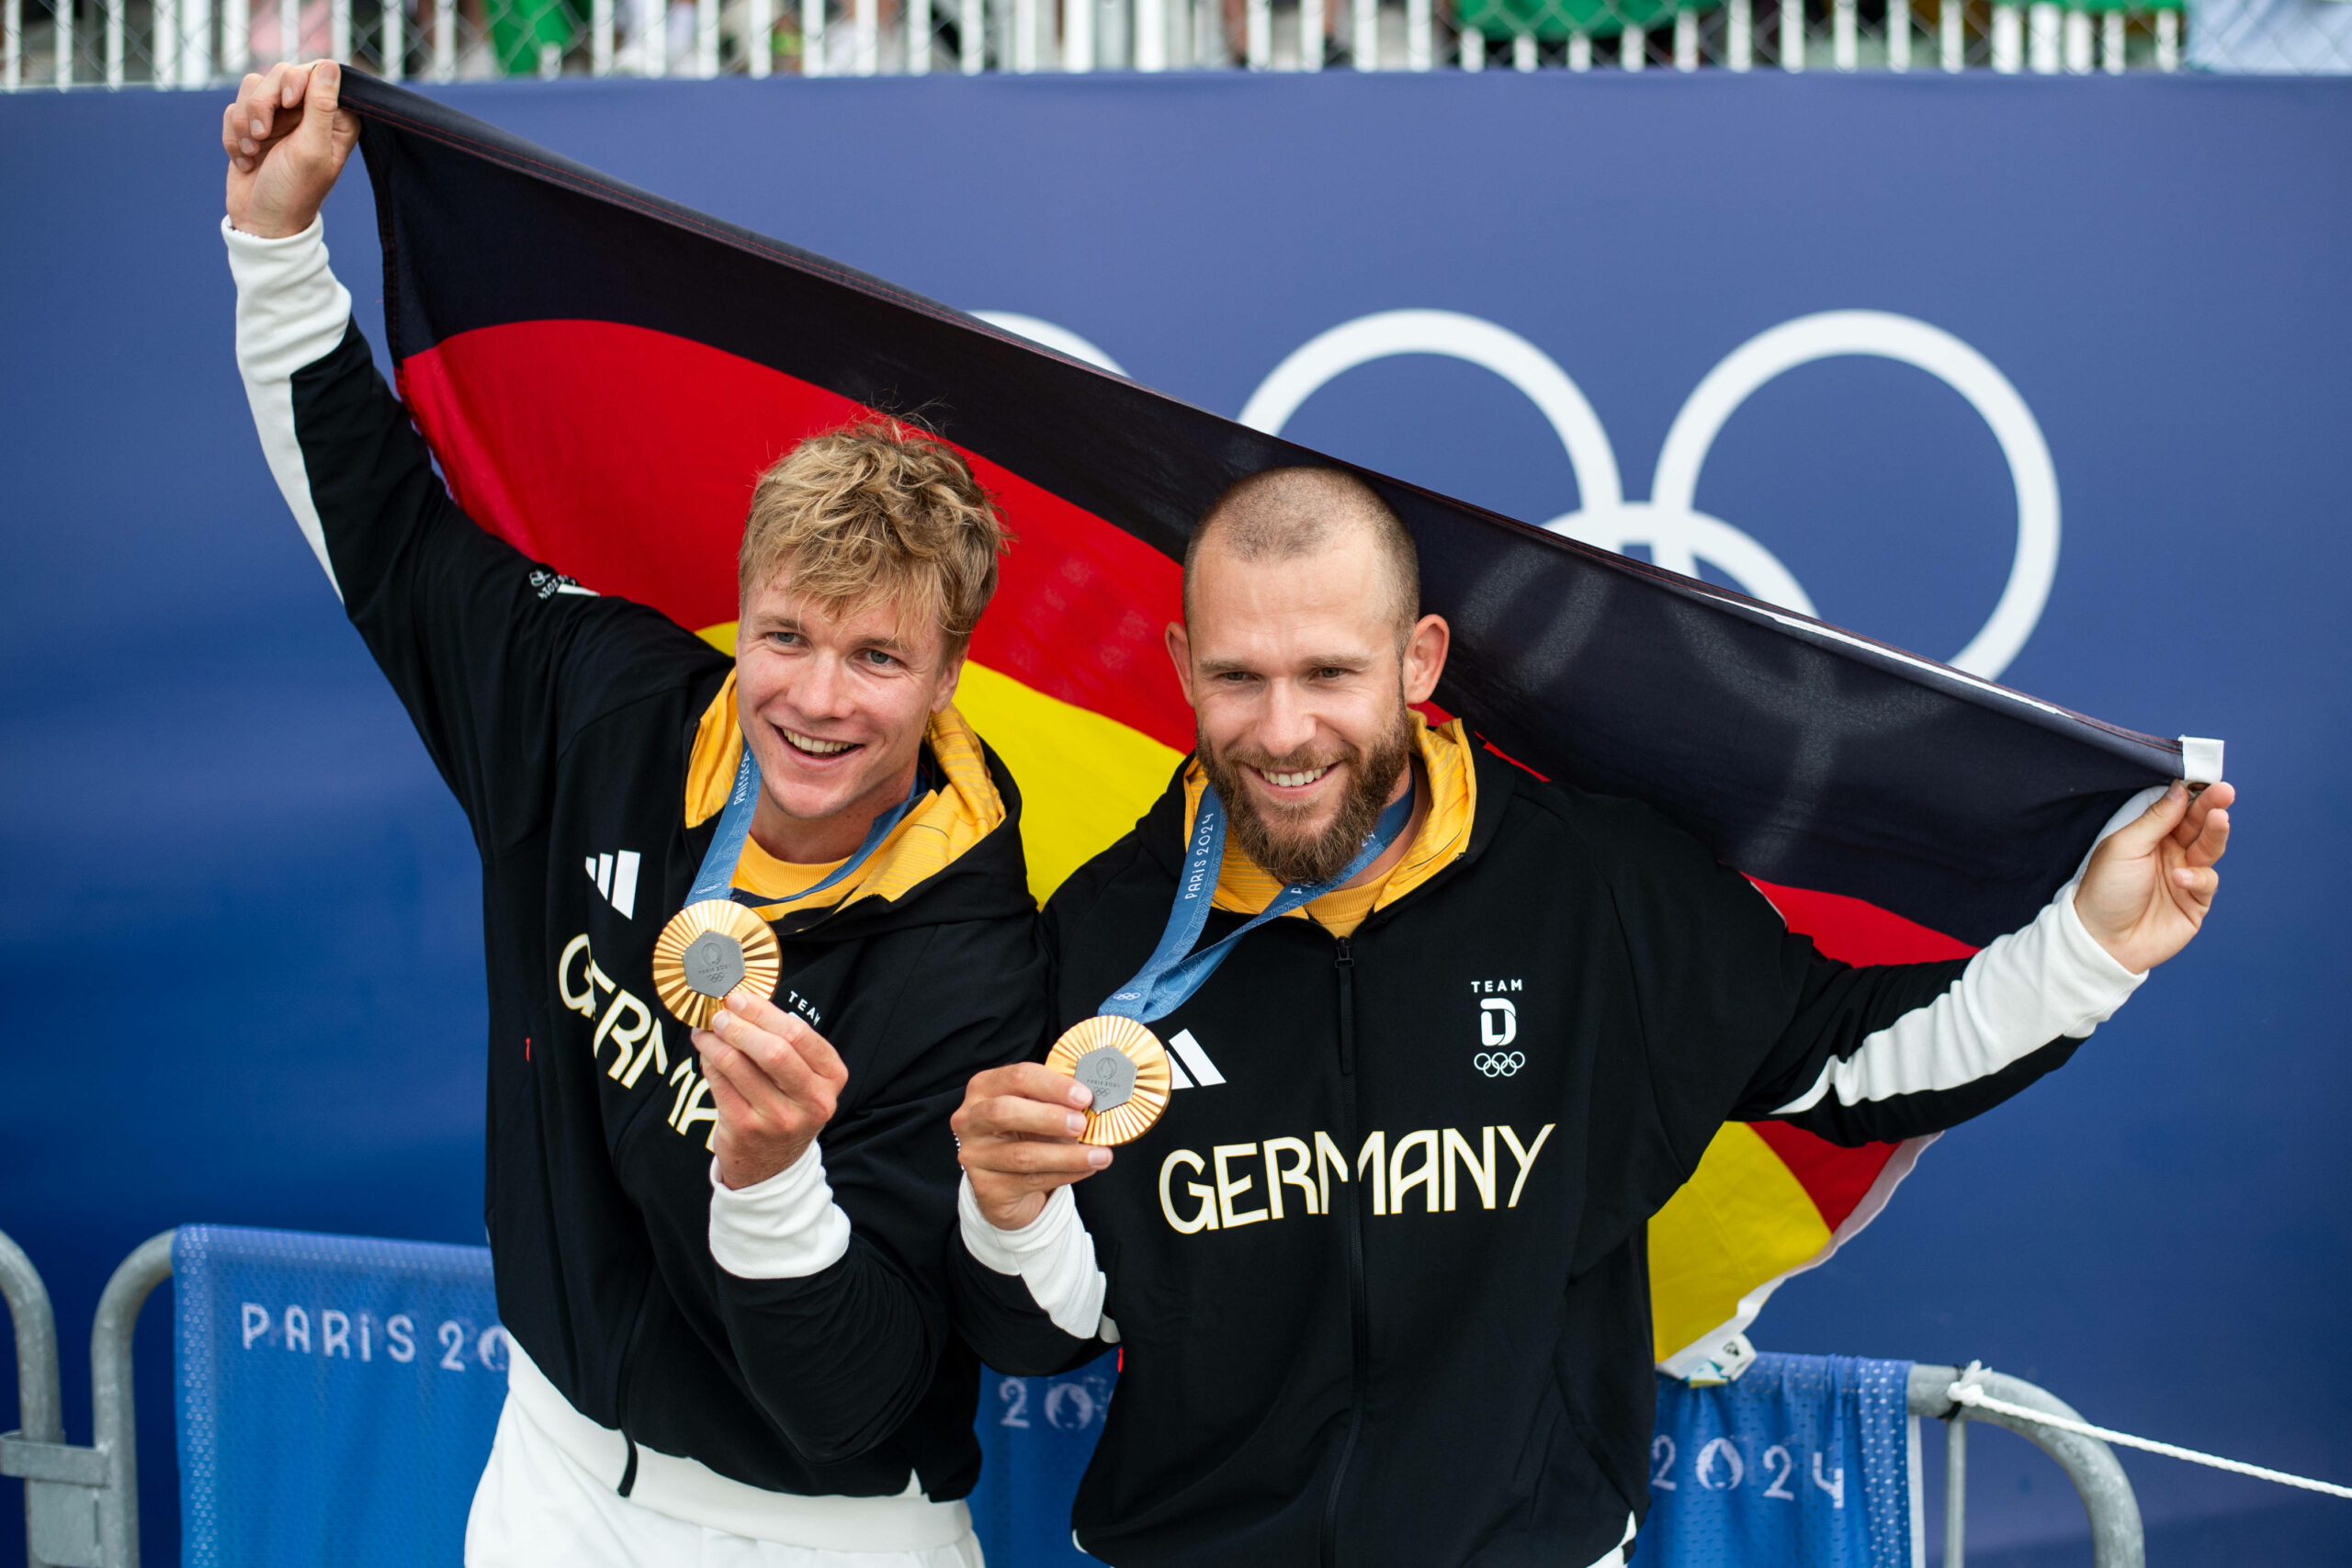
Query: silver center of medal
pixel 713 963
pixel 1107 1071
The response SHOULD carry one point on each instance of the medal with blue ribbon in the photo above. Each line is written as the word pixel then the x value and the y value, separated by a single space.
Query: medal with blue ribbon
pixel 1113 1053
pixel 716 945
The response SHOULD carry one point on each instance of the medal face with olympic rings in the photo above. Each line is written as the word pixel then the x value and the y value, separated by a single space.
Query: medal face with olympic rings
pixel 1124 1066
pixel 708 950
pixel 1113 1053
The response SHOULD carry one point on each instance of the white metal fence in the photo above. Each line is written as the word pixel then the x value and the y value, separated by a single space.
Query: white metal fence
pixel 192 43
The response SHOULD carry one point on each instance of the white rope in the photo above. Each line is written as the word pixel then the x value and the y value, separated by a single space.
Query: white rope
pixel 1974 1395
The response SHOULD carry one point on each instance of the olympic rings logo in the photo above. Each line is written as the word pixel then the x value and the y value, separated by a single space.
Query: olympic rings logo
pixel 1677 534
pixel 1499 1064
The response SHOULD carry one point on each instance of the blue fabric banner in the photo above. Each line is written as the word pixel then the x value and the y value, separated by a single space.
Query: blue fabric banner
pixel 1805 1462
pixel 1036 1435
pixel 336 1397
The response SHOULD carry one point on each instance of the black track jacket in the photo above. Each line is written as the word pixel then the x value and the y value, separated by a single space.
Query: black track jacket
pixel 1380 1304
pixel 563 722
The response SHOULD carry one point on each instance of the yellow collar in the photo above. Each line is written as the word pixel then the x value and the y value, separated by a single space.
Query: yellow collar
pixel 1245 887
pixel 945 822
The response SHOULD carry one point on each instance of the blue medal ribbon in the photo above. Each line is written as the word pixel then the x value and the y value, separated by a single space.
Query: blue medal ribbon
pixel 1170 977
pixel 717 877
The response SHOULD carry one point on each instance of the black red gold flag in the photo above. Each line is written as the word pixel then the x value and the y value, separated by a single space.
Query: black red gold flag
pixel 601 373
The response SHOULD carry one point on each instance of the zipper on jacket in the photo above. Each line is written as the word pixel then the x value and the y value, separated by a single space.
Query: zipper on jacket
pixel 1359 1315
pixel 621 1394
pixel 1345 962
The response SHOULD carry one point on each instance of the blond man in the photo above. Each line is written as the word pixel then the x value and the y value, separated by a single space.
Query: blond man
pixel 719 1252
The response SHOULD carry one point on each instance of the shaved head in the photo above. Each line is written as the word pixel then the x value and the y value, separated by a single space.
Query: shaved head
pixel 1282 514
pixel 1302 652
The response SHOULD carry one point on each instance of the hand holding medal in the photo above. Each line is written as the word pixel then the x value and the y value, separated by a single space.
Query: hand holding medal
pixel 1026 1129
pixel 1112 1054
pixel 774 1083
pixel 774 1079
pixel 1123 1065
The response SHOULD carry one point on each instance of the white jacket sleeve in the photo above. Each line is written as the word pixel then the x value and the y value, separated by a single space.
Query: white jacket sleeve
pixel 290 313
pixel 2048 981
pixel 1054 1256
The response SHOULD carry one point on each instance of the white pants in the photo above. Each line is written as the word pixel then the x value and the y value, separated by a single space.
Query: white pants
pixel 1616 1558
pixel 537 1508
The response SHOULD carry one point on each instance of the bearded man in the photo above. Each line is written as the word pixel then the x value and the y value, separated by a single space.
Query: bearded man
pixel 719 1253
pixel 1377 1275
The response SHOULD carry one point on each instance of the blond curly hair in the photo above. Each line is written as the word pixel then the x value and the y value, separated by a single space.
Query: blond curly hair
pixel 878 510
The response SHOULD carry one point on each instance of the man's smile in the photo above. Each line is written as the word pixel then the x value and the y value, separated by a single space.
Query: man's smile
pixel 1297 779
pixel 814 748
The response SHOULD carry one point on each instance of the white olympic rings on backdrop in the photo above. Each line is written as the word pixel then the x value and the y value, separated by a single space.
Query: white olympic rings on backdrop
pixel 1677 535
pixel 1499 1064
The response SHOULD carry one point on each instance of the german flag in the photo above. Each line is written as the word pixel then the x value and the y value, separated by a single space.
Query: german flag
pixel 603 372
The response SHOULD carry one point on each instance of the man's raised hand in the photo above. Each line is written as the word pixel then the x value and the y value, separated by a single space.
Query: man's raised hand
pixel 774 1081
pixel 2151 881
pixel 288 139
pixel 1017 1133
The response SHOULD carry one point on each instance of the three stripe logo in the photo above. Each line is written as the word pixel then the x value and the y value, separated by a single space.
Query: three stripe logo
pixel 1188 1066
pixel 615 877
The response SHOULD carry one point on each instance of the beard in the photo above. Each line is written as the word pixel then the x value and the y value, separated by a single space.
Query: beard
pixel 1277 838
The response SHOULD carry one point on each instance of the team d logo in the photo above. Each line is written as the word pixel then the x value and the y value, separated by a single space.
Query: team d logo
pixel 1498 1027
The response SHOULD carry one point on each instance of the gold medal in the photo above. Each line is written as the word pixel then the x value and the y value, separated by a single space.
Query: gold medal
pixel 1127 1067
pixel 712 948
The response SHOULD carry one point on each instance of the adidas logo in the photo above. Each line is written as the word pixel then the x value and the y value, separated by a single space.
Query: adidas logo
pixel 616 878
pixel 549 582
pixel 1188 1066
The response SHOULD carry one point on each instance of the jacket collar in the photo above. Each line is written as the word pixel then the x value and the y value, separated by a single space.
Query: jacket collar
pixel 1469 786
pixel 971 798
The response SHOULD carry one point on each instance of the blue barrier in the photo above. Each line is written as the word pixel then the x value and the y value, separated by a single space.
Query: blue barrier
pixel 336 1396
pixel 1805 1462
pixel 298 1444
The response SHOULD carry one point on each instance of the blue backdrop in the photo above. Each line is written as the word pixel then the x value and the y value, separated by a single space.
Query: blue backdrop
pixel 240 972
